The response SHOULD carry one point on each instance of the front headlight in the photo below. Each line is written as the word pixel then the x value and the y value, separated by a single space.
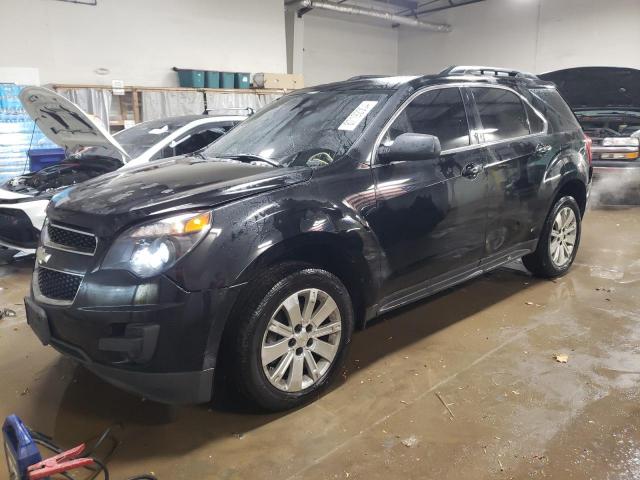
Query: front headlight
pixel 620 142
pixel 151 248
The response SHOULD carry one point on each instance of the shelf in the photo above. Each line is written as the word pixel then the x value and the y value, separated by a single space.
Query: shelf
pixel 132 88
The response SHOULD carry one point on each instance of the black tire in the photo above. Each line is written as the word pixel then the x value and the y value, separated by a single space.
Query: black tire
pixel 250 320
pixel 540 262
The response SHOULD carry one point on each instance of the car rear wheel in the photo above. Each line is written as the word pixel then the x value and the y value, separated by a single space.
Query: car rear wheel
pixel 291 336
pixel 559 241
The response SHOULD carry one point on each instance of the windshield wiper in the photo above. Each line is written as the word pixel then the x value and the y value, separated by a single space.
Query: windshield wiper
pixel 249 157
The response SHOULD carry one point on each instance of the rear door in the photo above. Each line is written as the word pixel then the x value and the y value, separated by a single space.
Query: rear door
pixel 514 134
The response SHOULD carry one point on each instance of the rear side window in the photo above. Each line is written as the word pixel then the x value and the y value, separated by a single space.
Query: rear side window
pixel 549 102
pixel 502 114
pixel 436 112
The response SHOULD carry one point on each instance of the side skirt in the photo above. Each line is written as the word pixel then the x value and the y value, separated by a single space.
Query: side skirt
pixel 428 288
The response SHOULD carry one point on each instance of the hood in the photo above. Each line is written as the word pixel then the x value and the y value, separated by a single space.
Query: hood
pixel 64 123
pixel 598 87
pixel 107 203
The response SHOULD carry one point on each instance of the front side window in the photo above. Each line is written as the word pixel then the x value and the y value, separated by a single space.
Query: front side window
pixel 502 114
pixel 438 112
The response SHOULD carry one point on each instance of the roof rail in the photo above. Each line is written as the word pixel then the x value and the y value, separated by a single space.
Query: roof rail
pixel 366 77
pixel 481 70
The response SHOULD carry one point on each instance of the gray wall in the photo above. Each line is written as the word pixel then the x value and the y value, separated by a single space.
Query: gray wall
pixel 532 35
pixel 140 40
pixel 336 49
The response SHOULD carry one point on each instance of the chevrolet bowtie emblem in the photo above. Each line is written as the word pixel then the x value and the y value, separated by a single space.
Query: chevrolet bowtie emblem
pixel 42 256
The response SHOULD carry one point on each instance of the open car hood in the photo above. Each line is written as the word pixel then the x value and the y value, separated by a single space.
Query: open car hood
pixel 598 87
pixel 64 123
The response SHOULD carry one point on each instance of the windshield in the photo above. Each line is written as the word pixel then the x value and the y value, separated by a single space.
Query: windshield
pixel 136 140
pixel 305 129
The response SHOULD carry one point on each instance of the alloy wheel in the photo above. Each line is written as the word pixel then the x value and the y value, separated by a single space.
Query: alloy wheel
pixel 563 237
pixel 301 340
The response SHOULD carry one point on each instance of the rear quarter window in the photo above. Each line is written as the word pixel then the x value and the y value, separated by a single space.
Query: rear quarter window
pixel 536 123
pixel 551 104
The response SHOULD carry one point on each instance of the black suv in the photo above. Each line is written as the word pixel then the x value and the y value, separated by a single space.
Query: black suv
pixel 258 255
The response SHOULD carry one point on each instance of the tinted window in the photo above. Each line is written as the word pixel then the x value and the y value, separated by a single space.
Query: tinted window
pixel 196 140
pixel 502 114
pixel 535 122
pixel 437 112
pixel 549 102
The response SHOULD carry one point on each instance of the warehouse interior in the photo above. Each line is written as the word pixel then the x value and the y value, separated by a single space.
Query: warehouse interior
pixel 503 374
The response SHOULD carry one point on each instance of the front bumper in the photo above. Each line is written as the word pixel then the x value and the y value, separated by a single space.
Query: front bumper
pixel 20 225
pixel 177 388
pixel 150 337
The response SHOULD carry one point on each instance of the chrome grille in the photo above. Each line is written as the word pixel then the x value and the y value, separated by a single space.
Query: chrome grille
pixel 72 240
pixel 58 285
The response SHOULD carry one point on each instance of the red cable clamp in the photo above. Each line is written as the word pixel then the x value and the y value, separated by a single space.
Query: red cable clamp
pixel 63 462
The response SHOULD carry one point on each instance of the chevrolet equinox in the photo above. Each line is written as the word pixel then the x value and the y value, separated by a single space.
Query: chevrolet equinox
pixel 259 254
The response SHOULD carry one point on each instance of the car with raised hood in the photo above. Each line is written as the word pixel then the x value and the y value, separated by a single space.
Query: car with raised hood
pixel 257 257
pixel 606 101
pixel 91 151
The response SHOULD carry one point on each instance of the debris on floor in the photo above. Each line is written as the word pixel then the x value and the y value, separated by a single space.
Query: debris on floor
pixel 446 405
pixel 561 358
pixel 410 442
pixel 7 312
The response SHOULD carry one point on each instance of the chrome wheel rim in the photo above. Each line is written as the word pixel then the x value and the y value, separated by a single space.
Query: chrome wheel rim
pixel 301 340
pixel 563 237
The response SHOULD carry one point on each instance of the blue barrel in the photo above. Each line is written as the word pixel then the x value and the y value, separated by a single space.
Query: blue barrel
pixel 227 79
pixel 190 78
pixel 243 80
pixel 44 157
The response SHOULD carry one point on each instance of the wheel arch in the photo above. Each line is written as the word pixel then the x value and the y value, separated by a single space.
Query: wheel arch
pixel 575 188
pixel 341 255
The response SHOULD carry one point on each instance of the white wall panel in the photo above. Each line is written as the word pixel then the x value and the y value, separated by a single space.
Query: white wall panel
pixel 533 35
pixel 139 41
pixel 336 49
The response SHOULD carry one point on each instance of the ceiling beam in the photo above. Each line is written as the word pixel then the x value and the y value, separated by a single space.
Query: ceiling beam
pixel 368 12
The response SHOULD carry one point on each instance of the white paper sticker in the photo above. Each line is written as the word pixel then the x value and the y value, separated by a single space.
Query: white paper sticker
pixel 355 117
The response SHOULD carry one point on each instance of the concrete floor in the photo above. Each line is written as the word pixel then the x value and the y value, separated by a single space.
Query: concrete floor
pixel 486 349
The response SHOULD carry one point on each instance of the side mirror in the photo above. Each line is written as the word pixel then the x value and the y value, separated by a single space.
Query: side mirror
pixel 411 146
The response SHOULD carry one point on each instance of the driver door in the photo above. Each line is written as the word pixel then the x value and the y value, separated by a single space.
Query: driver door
pixel 431 214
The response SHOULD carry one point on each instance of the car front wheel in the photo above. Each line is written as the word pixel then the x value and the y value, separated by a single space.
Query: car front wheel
pixel 291 336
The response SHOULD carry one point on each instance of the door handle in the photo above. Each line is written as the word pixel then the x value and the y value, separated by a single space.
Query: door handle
pixel 542 148
pixel 471 170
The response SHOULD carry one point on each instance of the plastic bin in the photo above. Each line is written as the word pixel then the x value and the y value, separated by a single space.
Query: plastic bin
pixel 211 79
pixel 243 80
pixel 44 157
pixel 227 79
pixel 190 78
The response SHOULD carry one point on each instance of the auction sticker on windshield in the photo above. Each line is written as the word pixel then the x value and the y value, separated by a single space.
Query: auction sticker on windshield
pixel 355 117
